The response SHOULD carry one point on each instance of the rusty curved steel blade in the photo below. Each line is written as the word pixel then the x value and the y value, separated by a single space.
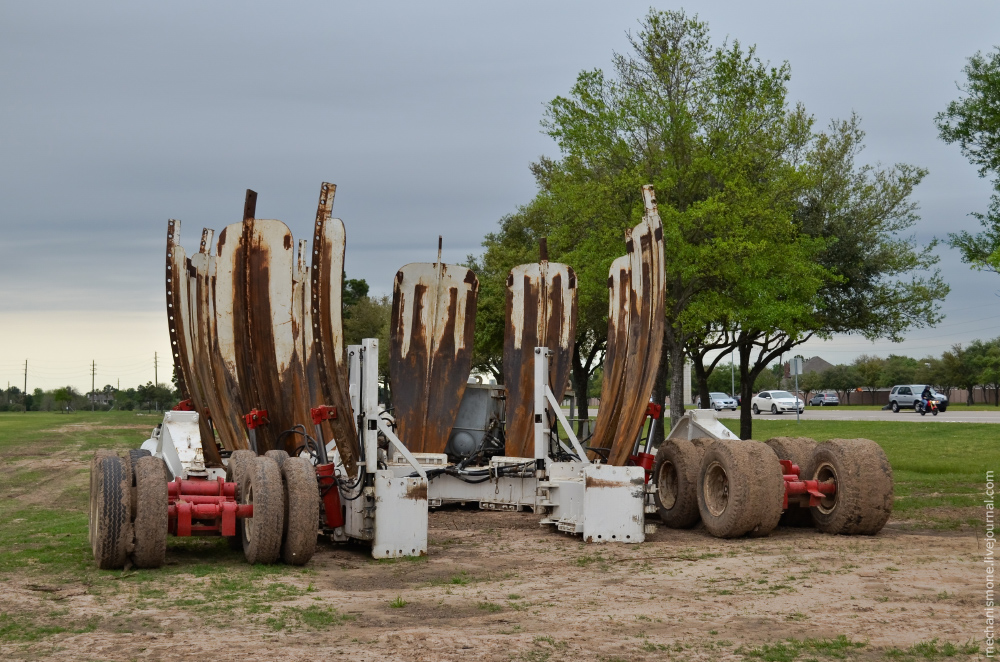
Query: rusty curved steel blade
pixel 230 326
pixel 181 324
pixel 225 419
pixel 646 322
pixel 430 353
pixel 270 265
pixel 541 312
pixel 613 383
pixel 327 333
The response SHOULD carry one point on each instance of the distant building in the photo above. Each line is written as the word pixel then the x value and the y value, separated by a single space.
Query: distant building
pixel 814 364
pixel 101 398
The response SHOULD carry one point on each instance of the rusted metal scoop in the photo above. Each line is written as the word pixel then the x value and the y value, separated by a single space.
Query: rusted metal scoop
pixel 635 335
pixel 541 312
pixel 253 329
pixel 430 354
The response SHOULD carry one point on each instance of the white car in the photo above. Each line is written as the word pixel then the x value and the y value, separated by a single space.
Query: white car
pixel 719 401
pixel 776 402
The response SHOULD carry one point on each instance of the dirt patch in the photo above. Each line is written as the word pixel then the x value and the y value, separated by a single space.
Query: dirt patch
pixel 497 586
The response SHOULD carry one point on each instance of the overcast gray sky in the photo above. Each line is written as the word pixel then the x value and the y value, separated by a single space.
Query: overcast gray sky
pixel 118 116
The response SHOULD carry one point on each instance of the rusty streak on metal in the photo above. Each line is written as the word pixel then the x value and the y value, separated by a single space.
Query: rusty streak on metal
pixel 608 415
pixel 180 325
pixel 635 332
pixel 541 312
pixel 430 354
pixel 417 491
pixel 228 331
pixel 329 241
pixel 250 205
pixel 226 420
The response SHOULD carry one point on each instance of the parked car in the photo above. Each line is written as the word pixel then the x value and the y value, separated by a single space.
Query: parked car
pixel 904 396
pixel 825 399
pixel 776 402
pixel 719 401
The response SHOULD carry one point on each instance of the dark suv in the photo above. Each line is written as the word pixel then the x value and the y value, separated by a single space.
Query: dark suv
pixel 906 396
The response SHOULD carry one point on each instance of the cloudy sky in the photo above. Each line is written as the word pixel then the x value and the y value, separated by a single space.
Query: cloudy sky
pixel 117 117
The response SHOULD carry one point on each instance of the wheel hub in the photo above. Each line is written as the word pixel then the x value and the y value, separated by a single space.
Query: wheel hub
pixel 716 489
pixel 826 473
pixel 666 484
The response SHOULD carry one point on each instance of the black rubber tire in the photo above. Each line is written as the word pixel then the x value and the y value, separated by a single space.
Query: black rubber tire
pixel 675 474
pixel 799 450
pixel 261 486
pixel 111 521
pixel 131 458
pixel 301 498
pixel 92 517
pixel 774 410
pixel 863 501
pixel 755 410
pixel 150 524
pixel 895 407
pixel 278 456
pixel 239 464
pixel 740 489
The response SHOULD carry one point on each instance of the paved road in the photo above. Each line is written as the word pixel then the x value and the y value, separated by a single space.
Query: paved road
pixel 955 415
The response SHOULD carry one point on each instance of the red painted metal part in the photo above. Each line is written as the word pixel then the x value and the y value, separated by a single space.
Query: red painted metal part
pixel 185 405
pixel 807 492
pixel 333 516
pixel 256 418
pixel 644 460
pixel 201 507
pixel 323 413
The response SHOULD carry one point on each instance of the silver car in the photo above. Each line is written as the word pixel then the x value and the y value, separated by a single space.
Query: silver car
pixel 719 401
pixel 905 396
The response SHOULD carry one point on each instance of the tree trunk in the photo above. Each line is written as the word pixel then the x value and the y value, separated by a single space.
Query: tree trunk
pixel 660 397
pixel 746 392
pixel 581 380
pixel 701 379
pixel 676 363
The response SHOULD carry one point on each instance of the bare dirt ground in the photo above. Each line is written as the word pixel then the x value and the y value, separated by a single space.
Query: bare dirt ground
pixel 495 586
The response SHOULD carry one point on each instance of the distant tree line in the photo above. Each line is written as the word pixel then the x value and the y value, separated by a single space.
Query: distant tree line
pixel 148 397
pixel 970 367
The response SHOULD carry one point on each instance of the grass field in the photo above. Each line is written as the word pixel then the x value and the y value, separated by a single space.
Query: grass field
pixel 939 475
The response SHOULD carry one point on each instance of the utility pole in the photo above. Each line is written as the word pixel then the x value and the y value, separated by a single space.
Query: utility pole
pixel 93 372
pixel 24 395
pixel 156 379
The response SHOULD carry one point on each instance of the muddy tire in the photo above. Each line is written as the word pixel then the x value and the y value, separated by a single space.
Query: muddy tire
pixel 239 464
pixel 111 526
pixel 863 501
pixel 675 474
pixel 799 450
pixel 150 524
pixel 131 459
pixel 301 497
pixel 92 517
pixel 278 456
pixel 261 485
pixel 740 489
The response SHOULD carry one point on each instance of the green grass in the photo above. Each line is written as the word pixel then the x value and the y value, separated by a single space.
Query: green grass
pixel 790 649
pixel 935 466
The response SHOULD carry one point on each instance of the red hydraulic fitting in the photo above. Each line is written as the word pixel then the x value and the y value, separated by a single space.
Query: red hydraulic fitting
pixel 256 418
pixel 323 413
pixel 184 405
pixel 653 410
pixel 644 460
pixel 331 495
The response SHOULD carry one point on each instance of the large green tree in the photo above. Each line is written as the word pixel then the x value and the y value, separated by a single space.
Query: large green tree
pixel 973 121
pixel 710 127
